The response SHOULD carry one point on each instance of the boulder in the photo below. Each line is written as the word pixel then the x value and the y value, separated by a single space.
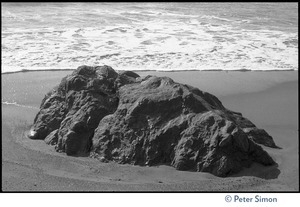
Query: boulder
pixel 74 108
pixel 159 121
pixel 153 120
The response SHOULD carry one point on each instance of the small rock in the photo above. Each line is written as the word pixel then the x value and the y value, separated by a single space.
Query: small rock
pixel 103 159
pixel 32 134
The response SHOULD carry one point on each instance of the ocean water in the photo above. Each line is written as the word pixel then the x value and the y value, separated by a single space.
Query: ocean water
pixel 150 36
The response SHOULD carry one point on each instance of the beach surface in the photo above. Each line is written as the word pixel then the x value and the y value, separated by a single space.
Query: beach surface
pixel 268 99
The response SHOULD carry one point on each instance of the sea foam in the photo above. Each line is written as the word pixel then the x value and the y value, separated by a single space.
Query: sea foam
pixel 152 37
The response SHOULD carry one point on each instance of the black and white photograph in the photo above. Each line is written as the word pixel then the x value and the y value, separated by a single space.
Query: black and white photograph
pixel 150 97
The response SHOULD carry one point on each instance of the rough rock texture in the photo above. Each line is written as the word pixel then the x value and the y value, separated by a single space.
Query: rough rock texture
pixel 70 112
pixel 147 121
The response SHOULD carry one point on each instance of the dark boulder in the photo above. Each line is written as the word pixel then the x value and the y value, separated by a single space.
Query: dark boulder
pixel 74 108
pixel 160 121
pixel 147 121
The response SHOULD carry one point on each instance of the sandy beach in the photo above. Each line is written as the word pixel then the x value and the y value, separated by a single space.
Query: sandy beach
pixel 268 99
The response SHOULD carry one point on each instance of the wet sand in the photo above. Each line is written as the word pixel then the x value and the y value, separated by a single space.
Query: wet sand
pixel 268 99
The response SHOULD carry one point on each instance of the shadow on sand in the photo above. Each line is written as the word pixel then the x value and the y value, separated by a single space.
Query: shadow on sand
pixel 256 169
pixel 260 171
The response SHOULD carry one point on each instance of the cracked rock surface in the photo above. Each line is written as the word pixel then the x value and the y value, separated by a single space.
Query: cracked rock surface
pixel 153 120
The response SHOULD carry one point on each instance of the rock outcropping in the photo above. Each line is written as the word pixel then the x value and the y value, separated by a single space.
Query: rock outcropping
pixel 147 121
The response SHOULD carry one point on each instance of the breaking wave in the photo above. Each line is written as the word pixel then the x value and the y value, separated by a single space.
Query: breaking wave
pixel 154 36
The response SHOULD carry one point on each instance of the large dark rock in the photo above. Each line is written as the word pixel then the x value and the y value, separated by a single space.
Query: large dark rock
pixel 74 108
pixel 147 121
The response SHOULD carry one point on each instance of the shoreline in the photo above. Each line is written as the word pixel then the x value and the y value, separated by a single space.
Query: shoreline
pixel 191 70
pixel 229 83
